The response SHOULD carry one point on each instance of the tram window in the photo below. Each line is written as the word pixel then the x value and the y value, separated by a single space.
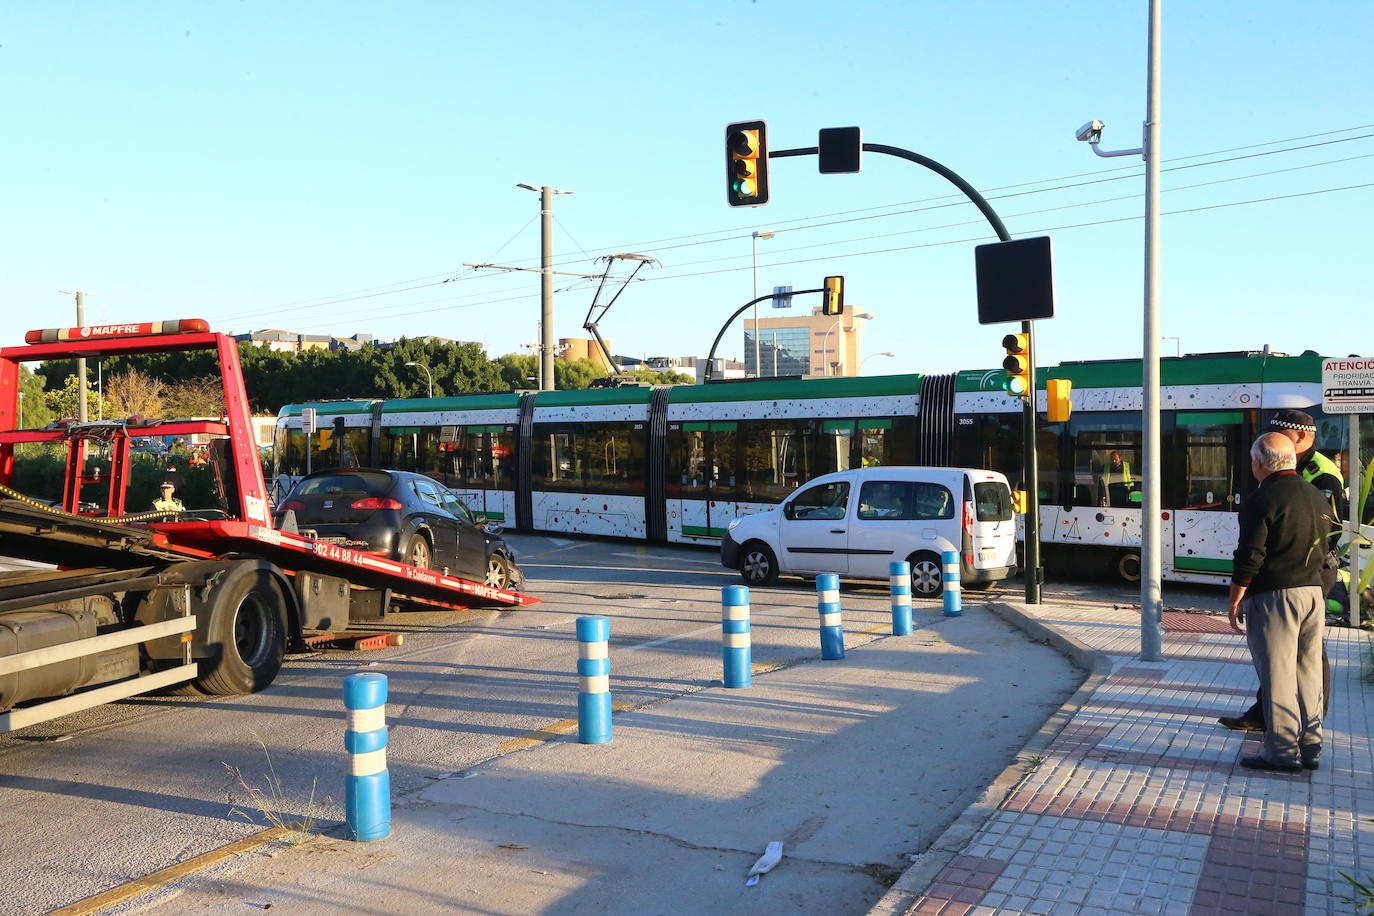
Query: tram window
pixel 602 457
pixel 994 441
pixel 776 458
pixel 836 446
pixel 290 451
pixel 477 457
pixel 1106 459
pixel 703 460
pixel 1207 444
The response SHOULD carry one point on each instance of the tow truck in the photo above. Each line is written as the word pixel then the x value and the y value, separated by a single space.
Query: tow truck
pixel 114 603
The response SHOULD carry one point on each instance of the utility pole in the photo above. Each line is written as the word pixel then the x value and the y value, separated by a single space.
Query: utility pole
pixel 80 360
pixel 546 344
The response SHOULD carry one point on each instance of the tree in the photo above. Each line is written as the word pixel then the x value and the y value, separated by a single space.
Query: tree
pixel 654 377
pixel 34 412
pixel 197 397
pixel 518 371
pixel 133 393
pixel 66 402
pixel 576 373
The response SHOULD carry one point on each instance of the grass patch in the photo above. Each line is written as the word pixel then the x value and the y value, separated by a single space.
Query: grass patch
pixel 273 804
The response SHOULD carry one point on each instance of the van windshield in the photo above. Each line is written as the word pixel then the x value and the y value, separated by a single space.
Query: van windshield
pixel 992 501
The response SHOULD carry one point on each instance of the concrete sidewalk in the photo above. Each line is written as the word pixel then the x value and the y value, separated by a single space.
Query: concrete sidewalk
pixel 1140 804
pixel 854 764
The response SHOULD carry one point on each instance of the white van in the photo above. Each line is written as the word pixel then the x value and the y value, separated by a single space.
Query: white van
pixel 854 523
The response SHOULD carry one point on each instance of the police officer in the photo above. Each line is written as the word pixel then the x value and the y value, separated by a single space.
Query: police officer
pixel 1322 473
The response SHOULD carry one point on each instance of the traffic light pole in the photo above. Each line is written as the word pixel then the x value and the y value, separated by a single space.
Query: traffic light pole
pixel 1033 573
pixel 711 357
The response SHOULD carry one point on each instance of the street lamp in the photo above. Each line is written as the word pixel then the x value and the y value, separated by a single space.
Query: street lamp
pixel 546 281
pixel 754 259
pixel 429 378
pixel 870 356
pixel 866 316
pixel 1151 579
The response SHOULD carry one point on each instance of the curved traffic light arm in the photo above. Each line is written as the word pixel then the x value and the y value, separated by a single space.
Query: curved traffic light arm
pixel 711 357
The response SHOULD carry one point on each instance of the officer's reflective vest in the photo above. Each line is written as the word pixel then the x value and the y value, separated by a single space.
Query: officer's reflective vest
pixel 1317 465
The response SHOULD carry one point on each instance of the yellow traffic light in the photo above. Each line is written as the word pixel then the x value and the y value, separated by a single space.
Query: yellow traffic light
pixel 1058 406
pixel 1017 364
pixel 833 303
pixel 1019 502
pixel 746 163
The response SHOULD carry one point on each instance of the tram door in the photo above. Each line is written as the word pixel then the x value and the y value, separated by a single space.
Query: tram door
pixel 1205 462
pixel 713 477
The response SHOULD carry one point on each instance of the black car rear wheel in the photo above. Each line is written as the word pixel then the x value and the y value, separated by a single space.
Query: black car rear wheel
pixel 418 552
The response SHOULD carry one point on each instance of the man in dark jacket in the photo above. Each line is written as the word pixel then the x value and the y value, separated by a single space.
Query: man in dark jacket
pixel 1276 591
pixel 1322 473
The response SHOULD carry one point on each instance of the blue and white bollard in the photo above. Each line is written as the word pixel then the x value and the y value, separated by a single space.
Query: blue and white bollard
pixel 828 605
pixel 593 680
pixel 949 576
pixel 367 796
pixel 736 650
pixel 899 577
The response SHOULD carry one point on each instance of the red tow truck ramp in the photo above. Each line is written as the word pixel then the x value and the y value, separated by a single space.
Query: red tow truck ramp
pixel 294 553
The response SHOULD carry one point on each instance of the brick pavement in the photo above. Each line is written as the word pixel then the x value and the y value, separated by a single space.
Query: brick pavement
pixel 1139 805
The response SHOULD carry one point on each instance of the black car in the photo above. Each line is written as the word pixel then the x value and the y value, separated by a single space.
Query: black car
pixel 405 516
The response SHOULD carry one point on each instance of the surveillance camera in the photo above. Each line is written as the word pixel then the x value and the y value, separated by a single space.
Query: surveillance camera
pixel 1091 132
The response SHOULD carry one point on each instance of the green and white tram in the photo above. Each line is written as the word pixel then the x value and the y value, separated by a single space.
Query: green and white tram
pixel 675 464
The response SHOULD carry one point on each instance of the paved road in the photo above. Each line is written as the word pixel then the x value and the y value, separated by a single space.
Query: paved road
pixel 99 798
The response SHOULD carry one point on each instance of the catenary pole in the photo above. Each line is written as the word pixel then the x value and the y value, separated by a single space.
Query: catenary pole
pixel 546 289
pixel 1151 586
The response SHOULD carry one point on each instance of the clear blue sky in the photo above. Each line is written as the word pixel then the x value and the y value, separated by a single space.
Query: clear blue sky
pixel 323 167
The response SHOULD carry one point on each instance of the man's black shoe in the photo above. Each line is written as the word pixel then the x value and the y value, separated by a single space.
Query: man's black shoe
pixel 1241 724
pixel 1311 760
pixel 1259 763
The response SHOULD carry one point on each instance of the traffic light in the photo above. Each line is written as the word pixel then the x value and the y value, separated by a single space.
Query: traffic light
pixel 1058 406
pixel 833 304
pixel 1019 502
pixel 1017 364
pixel 746 164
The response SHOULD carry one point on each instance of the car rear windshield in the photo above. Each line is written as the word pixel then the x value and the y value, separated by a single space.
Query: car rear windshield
pixel 992 501
pixel 371 483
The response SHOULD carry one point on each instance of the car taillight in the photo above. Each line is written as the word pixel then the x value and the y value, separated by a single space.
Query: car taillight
pixel 376 502
pixel 294 505
pixel 968 533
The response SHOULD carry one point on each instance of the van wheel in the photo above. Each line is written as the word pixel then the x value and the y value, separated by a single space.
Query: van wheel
pixel 758 565
pixel 926 578
pixel 1128 566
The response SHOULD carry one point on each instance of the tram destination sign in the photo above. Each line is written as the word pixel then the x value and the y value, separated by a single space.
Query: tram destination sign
pixel 1348 385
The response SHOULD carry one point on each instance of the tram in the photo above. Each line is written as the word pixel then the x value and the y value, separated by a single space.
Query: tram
pixel 675 464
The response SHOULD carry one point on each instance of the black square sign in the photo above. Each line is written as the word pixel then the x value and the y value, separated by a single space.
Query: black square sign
pixel 1015 280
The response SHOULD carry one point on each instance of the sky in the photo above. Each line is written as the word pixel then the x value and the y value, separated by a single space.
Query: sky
pixel 330 168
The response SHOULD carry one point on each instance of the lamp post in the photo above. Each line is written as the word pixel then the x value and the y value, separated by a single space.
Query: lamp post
pixel 866 316
pixel 429 377
pixel 754 260
pixel 870 356
pixel 546 194
pixel 1151 585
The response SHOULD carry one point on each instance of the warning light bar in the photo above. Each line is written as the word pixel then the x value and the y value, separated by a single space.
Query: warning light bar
pixel 108 331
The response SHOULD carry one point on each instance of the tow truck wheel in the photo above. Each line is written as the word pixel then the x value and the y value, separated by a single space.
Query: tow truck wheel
pixel 244 636
pixel 418 552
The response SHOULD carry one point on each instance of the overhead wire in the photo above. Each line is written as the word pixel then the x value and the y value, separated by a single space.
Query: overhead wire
pixel 935 203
